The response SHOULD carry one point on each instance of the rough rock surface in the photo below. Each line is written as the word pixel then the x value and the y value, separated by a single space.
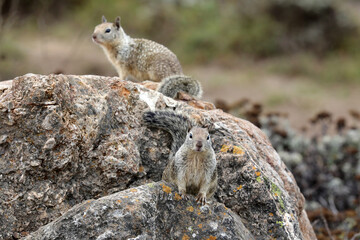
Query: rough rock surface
pixel 66 139
pixel 152 211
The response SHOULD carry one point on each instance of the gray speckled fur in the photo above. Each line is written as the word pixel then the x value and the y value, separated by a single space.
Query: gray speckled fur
pixel 192 170
pixel 170 86
pixel 176 124
pixel 144 59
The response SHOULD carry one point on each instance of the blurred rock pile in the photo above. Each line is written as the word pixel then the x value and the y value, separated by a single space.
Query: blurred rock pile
pixel 325 160
pixel 319 25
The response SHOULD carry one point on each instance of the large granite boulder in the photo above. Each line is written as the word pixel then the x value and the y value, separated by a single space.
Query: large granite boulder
pixel 67 139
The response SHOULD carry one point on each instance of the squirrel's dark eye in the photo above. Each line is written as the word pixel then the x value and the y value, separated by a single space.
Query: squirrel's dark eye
pixel 107 30
pixel 190 136
pixel 208 137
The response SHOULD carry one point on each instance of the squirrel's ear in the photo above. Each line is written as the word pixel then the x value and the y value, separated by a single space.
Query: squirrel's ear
pixel 117 22
pixel 189 127
pixel 210 127
pixel 103 19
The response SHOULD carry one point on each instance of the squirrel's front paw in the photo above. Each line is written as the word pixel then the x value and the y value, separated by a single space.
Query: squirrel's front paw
pixel 184 195
pixel 201 198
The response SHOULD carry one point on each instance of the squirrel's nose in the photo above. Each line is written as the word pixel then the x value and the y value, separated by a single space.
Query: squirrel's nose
pixel 94 36
pixel 199 144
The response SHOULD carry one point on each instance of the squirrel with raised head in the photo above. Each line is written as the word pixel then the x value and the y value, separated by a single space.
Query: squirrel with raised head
pixel 143 59
pixel 192 161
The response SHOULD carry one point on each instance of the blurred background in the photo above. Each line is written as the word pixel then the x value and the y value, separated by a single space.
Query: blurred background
pixel 292 67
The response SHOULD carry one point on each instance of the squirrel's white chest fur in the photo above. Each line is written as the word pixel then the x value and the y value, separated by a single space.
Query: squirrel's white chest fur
pixel 195 167
pixel 120 55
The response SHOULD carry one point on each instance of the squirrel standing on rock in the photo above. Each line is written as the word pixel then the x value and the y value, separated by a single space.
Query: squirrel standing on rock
pixel 192 164
pixel 144 60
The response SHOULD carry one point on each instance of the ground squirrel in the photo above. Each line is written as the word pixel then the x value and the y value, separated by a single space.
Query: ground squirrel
pixel 192 165
pixel 143 59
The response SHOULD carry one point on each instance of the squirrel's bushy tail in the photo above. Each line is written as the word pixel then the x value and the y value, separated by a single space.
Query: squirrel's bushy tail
pixel 171 85
pixel 176 124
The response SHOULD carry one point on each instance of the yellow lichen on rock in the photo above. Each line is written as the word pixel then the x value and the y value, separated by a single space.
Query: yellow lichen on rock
pixel 190 209
pixel 166 188
pixel 238 150
pixel 235 149
pixel 225 148
pixel 185 237
pixel 177 197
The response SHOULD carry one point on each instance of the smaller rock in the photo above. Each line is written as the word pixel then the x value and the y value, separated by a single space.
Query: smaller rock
pixel 35 163
pixel 150 85
pixel 50 144
pixel 152 211
pixel 9 105
pixel 3 139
